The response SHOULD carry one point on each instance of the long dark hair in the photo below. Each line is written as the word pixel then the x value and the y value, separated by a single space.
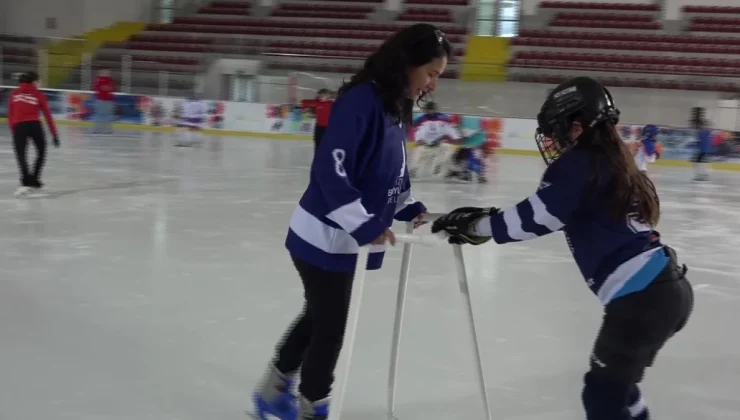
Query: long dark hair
pixel 28 77
pixel 632 194
pixel 388 67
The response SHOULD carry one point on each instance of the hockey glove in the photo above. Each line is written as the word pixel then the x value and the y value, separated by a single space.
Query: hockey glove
pixel 460 225
pixel 56 141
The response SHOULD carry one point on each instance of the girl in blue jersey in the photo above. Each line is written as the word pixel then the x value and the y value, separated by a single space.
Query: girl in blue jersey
pixel 593 191
pixel 359 184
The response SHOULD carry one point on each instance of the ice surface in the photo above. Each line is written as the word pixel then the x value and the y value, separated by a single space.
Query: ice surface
pixel 153 284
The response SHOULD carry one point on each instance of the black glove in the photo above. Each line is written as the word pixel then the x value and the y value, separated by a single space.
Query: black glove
pixel 56 141
pixel 460 225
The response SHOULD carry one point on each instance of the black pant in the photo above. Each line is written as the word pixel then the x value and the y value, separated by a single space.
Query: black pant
pixel 636 326
pixel 21 133
pixel 318 133
pixel 315 339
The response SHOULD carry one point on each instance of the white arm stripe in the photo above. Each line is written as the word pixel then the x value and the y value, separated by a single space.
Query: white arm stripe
pixel 514 226
pixel 350 216
pixel 543 217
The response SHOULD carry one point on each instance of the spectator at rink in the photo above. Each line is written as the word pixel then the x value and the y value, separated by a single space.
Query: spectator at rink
pixel 104 88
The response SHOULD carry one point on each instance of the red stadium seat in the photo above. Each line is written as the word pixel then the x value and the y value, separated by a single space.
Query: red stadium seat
pixel 599 6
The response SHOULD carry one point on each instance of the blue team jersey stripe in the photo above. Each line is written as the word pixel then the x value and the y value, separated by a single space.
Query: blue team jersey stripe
pixel 529 215
pixel 633 275
pixel 643 278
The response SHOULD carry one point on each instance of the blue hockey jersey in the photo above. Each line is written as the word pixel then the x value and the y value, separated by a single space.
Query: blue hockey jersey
pixel 704 137
pixel 616 257
pixel 359 184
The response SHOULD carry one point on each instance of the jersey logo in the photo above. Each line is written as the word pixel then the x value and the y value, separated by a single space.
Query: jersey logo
pixel 339 155
pixel 29 99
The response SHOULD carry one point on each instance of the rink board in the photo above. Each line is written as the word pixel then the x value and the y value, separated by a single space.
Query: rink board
pixel 729 166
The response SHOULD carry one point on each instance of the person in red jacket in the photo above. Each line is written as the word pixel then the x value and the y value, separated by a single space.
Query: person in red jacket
pixel 24 106
pixel 104 88
pixel 322 108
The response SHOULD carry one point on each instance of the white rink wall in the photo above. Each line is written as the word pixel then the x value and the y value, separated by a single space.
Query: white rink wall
pixel 279 120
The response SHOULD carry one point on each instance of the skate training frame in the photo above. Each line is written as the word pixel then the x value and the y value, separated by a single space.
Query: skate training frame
pixel 343 366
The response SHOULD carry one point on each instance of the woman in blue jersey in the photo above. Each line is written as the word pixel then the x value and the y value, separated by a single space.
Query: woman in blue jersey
pixel 593 191
pixel 359 184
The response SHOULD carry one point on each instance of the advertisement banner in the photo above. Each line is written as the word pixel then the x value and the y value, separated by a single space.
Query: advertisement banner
pixel 244 116
pixel 289 119
pixel 518 134
pixel 166 112
pixel 128 109
pixel 55 98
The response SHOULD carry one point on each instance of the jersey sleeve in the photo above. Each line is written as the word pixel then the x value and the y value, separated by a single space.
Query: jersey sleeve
pixel 11 114
pixel 548 210
pixel 407 208
pixel 44 104
pixel 649 147
pixel 338 165
pixel 451 131
pixel 421 131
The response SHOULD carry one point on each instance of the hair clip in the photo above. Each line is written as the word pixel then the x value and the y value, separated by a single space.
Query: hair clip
pixel 440 36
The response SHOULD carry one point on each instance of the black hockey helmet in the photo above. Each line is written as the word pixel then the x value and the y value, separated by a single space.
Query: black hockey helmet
pixel 430 106
pixel 580 98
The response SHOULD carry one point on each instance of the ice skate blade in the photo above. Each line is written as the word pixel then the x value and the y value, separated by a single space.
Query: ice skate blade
pixel 32 195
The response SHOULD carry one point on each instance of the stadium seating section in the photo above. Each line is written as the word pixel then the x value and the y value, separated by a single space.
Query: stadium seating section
pixel 331 36
pixel 621 44
pixel 626 45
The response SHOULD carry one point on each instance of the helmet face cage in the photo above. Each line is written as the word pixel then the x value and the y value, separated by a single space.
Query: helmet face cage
pixel 580 98
pixel 552 142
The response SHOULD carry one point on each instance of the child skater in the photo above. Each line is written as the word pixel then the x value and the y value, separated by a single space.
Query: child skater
pixel 593 191
pixel 193 115
pixel 704 146
pixel 359 184
pixel 431 131
pixel 647 150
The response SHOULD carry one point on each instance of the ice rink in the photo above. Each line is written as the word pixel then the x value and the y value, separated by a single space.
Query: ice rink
pixel 153 283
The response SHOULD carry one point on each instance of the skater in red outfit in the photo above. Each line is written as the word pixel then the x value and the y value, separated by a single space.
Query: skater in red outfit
pixel 24 106
pixel 322 107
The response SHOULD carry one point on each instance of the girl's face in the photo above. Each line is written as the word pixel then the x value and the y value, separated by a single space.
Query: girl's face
pixel 423 79
pixel 575 131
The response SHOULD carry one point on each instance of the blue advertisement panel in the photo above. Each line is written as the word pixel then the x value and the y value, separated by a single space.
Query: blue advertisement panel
pixel 682 143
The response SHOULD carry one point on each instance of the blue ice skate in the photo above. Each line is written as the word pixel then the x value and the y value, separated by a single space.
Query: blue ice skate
pixel 274 398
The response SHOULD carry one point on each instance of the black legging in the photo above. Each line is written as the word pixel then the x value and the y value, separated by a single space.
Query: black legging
pixel 318 134
pixel 21 133
pixel 315 339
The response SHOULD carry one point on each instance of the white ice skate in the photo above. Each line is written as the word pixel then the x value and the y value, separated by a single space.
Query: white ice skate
pixel 22 192
pixel 30 192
